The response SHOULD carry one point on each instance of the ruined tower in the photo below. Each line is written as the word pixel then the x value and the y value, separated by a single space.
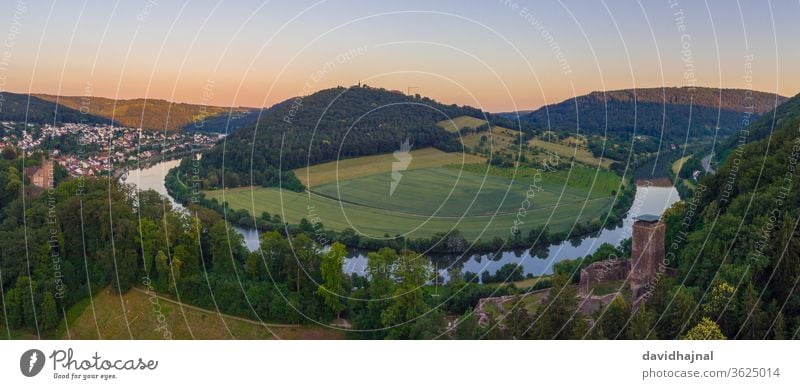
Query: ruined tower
pixel 647 252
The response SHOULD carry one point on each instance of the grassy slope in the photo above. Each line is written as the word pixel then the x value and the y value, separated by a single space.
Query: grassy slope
pixel 500 139
pixel 370 209
pixel 184 323
pixel 564 151
pixel 364 166
pixel 457 123
pixel 503 138
pixel 678 164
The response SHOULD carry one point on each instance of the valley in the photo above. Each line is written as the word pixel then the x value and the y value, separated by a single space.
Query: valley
pixel 480 203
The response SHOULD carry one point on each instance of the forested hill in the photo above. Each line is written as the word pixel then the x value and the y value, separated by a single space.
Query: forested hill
pixel 153 114
pixel 328 125
pixel 743 246
pixel 764 125
pixel 17 107
pixel 648 111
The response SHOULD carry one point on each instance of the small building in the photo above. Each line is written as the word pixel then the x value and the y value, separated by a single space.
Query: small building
pixel 42 176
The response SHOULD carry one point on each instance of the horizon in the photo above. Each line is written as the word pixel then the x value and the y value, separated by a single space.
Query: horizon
pixel 499 56
pixel 381 87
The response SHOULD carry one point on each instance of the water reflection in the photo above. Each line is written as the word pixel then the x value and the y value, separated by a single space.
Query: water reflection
pixel 540 260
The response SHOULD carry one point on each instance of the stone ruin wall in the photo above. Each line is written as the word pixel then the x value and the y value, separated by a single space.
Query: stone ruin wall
pixel 609 270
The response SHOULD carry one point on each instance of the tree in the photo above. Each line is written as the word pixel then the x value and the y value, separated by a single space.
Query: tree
pixel 150 239
pixel 429 326
pixel 274 250
pixel 13 306
pixel 379 289
pixel 612 322
pixel 190 263
pixel 706 329
pixel 785 260
pixel 331 269
pixel 517 320
pixel 753 315
pixel 14 181
pixel 254 265
pixel 125 274
pixel 779 330
pixel 28 303
pixel 467 326
pixel 641 326
pixel 50 317
pixel 226 248
pixel 408 300
pixel 302 261
pixel 677 316
pixel 558 317
pixel 162 266
pixel 175 271
pixel 721 305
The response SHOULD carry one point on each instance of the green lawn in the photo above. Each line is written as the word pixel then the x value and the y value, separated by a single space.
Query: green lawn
pixel 431 200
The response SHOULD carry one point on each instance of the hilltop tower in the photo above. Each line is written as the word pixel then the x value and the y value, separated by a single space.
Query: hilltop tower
pixel 647 251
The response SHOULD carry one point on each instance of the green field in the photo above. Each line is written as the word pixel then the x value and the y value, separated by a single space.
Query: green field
pixel 364 166
pixel 477 202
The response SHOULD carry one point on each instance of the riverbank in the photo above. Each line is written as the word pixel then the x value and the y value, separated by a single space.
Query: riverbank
pixel 535 261
pixel 445 242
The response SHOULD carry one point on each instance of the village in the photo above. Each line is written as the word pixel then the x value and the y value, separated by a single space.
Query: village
pixel 90 149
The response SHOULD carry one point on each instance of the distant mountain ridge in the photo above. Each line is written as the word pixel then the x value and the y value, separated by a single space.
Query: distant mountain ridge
pixel 655 111
pixel 18 107
pixel 150 114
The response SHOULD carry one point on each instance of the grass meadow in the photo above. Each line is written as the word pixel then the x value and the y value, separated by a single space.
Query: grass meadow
pixel 105 318
pixel 479 202
pixel 364 166
pixel 457 123
pixel 565 151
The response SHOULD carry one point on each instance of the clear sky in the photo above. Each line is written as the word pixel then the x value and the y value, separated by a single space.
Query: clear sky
pixel 495 54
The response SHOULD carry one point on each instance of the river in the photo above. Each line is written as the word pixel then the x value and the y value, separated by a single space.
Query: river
pixel 648 200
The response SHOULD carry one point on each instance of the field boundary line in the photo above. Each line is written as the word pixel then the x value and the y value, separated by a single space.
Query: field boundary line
pixel 225 315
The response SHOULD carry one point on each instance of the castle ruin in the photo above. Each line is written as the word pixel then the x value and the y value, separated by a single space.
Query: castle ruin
pixel 641 271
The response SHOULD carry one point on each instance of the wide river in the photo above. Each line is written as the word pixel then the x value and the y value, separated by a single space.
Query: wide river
pixel 649 200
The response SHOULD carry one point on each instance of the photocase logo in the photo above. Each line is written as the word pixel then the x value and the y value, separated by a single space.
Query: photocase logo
pixel 31 362
pixel 403 157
